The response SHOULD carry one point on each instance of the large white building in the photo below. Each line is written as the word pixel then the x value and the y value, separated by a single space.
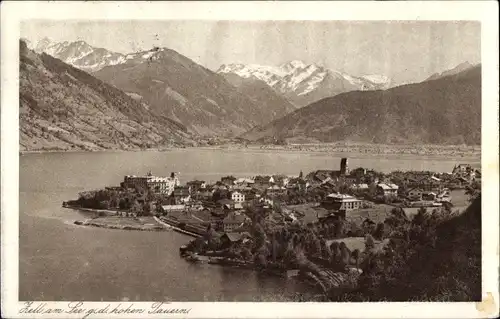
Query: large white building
pixel 158 185
pixel 342 202
pixel 238 197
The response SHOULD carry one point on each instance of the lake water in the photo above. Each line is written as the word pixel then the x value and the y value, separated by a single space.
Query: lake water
pixel 61 261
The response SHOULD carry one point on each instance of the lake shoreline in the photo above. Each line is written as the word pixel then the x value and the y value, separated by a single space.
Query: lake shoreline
pixel 93 223
pixel 102 221
pixel 112 219
pixel 439 151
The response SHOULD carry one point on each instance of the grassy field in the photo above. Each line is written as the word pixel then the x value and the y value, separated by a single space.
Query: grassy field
pixel 126 223
pixel 459 198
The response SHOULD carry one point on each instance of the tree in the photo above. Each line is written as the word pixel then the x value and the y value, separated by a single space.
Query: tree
pixel 355 255
pixel 338 228
pixel 345 255
pixel 317 247
pixel 114 202
pixel 379 231
pixel 368 226
pixel 197 245
pixel 277 207
pixel 260 235
pixel 369 243
pixel 473 190
pixel 420 217
pixel 261 256
pixel 136 208
pixel 336 255
pixel 123 203
pixel 327 253
pixel 246 254
pixel 274 247
pixel 208 233
pixel 146 209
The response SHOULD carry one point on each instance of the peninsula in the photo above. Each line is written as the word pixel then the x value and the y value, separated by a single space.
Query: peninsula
pixel 324 226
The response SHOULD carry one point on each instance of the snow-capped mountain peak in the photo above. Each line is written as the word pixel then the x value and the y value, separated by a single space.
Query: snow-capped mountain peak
pixel 270 75
pixel 42 44
pixel 79 54
pixel 292 65
pixel 304 83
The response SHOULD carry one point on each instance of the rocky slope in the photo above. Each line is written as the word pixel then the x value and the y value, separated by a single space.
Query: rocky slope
pixel 261 94
pixel 64 108
pixel 303 84
pixel 79 54
pixel 177 87
pixel 442 111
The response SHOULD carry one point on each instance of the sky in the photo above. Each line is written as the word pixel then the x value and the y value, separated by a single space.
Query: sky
pixel 405 51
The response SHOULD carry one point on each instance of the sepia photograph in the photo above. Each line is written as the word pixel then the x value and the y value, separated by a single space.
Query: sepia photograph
pixel 250 160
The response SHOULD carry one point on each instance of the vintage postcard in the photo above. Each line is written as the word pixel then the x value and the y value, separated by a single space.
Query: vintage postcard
pixel 250 159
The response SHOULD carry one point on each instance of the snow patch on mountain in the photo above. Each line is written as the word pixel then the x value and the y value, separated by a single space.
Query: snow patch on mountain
pixel 292 65
pixel 147 55
pixel 176 95
pixel 297 79
pixel 313 83
pixel 79 54
pixel 376 78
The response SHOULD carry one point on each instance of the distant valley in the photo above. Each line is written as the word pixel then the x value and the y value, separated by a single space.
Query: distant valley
pixel 204 101
pixel 160 97
pixel 446 110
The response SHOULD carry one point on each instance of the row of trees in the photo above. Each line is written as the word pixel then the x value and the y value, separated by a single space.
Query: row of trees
pixel 136 201
pixel 434 257
pixel 405 269
pixel 291 246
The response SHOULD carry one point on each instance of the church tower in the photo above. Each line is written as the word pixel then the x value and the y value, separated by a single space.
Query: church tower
pixel 344 167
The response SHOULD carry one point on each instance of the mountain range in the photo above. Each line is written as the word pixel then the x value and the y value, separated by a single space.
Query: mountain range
pixel 303 83
pixel 79 54
pixel 445 110
pixel 204 101
pixel 160 89
pixel 298 82
pixel 64 108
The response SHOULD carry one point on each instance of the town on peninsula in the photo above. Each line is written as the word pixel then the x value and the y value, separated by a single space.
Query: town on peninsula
pixel 324 227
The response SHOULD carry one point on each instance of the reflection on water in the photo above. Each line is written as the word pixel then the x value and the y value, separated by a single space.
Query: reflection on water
pixel 60 261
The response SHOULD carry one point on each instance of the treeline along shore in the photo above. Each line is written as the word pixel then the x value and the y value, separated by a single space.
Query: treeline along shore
pixel 352 233
pixel 454 151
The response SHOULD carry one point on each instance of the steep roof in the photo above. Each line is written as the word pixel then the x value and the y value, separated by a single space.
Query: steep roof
pixel 262 178
pixel 235 218
pixel 388 186
pixel 235 236
pixel 195 182
pixel 275 187
pixel 360 186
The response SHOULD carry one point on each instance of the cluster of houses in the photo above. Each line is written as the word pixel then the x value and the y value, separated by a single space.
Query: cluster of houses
pixel 222 204
pixel 412 186
pixel 234 192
